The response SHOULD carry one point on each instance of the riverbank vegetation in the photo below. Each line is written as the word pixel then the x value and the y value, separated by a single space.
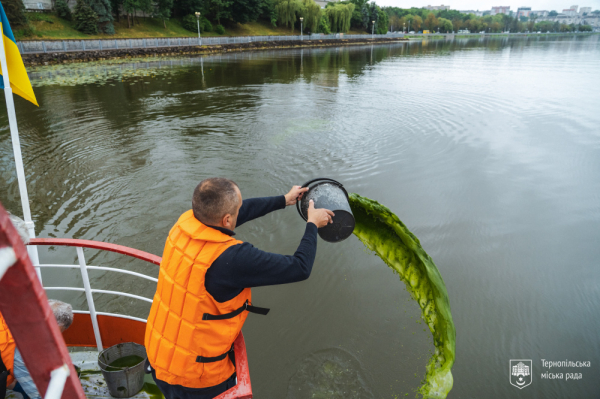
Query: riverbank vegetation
pixel 164 18
pixel 447 21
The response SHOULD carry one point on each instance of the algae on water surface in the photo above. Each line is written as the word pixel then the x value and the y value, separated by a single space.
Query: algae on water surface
pixel 382 232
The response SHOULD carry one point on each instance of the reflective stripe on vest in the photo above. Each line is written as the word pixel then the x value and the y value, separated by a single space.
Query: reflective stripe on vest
pixel 186 323
pixel 7 349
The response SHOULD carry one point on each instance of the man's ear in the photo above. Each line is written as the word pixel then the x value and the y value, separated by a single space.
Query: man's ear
pixel 227 219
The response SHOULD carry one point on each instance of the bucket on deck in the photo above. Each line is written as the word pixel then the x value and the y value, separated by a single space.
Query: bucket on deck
pixel 123 382
pixel 329 194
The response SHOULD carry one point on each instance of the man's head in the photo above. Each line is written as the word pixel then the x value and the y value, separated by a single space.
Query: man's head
pixel 63 313
pixel 217 202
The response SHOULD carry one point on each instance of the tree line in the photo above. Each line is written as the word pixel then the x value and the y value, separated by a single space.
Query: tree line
pixel 98 16
pixel 447 21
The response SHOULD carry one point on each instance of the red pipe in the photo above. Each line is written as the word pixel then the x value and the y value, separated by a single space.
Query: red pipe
pixel 120 249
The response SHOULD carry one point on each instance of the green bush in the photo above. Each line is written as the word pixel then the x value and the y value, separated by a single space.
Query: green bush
pixel 85 18
pixel 62 10
pixel 220 29
pixel 190 23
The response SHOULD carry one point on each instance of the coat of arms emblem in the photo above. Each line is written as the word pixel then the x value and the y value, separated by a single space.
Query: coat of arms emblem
pixel 520 372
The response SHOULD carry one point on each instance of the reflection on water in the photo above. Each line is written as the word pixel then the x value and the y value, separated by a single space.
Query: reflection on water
pixel 329 374
pixel 488 150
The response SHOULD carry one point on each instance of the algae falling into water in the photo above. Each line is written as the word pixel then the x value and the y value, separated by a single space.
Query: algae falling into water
pixel 382 232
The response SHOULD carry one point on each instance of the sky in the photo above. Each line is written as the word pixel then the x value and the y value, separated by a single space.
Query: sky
pixel 483 5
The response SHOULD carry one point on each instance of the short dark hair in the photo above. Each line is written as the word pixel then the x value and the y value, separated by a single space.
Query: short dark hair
pixel 214 198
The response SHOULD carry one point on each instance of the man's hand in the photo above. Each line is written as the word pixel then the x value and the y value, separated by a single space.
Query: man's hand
pixel 295 195
pixel 321 217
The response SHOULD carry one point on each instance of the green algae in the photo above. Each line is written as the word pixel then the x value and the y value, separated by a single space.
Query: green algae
pixel 382 232
pixel 125 362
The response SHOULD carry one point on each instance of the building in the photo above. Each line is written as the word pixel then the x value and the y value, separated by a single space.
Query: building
pixel 500 10
pixel 523 12
pixel 585 10
pixel 438 8
pixel 540 13
pixel 476 13
pixel 569 12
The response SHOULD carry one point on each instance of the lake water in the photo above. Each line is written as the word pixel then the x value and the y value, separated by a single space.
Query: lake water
pixel 487 149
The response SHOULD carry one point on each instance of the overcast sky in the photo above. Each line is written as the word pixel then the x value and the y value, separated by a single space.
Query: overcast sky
pixel 549 5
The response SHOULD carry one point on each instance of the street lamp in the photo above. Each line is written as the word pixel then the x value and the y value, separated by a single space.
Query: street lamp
pixel 373 28
pixel 301 19
pixel 198 18
pixel 403 26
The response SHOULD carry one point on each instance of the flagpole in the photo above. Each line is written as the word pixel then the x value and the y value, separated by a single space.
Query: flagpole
pixel 14 134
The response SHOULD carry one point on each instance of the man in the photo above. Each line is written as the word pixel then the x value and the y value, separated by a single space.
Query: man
pixel 203 294
pixel 16 376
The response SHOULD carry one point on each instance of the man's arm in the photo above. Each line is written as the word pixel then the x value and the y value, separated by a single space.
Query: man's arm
pixel 253 208
pixel 256 207
pixel 242 266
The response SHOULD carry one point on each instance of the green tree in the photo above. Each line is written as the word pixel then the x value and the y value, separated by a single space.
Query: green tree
pixel 431 22
pixel 383 23
pixel 287 12
pixel 163 10
pixel 445 25
pixel 244 11
pixel 62 10
pixel 103 11
pixel 311 12
pixel 15 12
pixel 115 6
pixel 552 13
pixel 129 6
pixel 340 16
pixel 585 28
pixel 324 24
pixel 416 23
pixel 85 18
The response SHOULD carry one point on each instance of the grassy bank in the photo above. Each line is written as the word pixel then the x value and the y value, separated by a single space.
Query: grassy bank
pixel 50 27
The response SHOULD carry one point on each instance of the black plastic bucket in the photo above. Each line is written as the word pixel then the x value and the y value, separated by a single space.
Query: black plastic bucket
pixel 329 194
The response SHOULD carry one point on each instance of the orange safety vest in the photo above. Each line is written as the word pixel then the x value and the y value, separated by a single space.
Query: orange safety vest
pixel 189 334
pixel 7 349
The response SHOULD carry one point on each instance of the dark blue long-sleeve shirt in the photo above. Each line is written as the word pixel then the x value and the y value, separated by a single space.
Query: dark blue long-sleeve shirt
pixel 242 266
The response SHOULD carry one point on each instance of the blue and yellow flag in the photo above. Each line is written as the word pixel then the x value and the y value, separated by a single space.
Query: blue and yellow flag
pixel 19 81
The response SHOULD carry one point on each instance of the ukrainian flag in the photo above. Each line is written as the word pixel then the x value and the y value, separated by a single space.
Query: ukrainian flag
pixel 19 81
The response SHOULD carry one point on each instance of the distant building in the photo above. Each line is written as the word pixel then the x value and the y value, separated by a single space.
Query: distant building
pixel 523 12
pixel 540 13
pixel 500 10
pixel 574 8
pixel 438 8
pixel 585 10
pixel 569 12
pixel 477 13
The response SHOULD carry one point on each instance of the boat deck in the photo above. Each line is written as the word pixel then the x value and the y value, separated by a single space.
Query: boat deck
pixel 93 383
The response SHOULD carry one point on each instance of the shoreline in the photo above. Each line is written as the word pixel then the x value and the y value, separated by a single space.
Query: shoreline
pixel 53 58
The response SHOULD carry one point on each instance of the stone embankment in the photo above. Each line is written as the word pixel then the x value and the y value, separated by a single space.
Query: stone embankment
pixel 84 56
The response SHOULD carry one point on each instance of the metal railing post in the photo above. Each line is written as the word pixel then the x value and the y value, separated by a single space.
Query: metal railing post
pixel 83 45
pixel 100 41
pixel 116 45
pixel 44 46
pixel 89 296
